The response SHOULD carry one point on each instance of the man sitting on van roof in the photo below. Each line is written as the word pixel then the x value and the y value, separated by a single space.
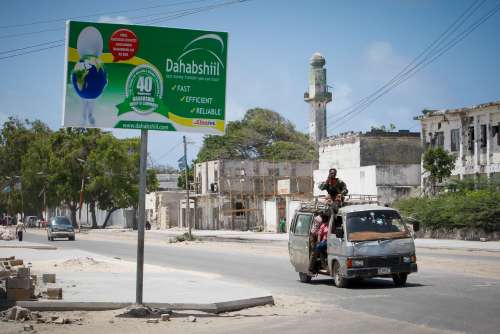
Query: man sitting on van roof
pixel 335 187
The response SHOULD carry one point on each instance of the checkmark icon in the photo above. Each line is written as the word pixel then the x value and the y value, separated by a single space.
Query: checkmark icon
pixel 174 87
pixel 183 98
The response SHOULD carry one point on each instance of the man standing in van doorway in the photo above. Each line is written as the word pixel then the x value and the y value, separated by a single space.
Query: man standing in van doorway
pixel 335 187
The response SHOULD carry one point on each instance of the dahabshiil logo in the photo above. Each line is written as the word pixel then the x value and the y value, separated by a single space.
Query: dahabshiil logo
pixel 211 63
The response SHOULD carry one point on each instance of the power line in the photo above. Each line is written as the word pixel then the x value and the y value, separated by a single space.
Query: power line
pixel 98 14
pixel 32 46
pixel 36 32
pixel 427 52
pixel 167 18
pixel 170 150
pixel 421 65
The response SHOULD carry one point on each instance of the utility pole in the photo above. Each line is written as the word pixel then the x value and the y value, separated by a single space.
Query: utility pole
pixel 140 223
pixel 188 204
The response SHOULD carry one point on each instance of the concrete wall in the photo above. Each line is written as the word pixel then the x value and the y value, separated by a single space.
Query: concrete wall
pixel 398 175
pixel 387 182
pixel 343 152
pixel 162 208
pixel 390 148
pixel 361 180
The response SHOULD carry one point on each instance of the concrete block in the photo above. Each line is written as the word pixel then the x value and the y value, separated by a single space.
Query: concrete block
pixel 18 262
pixel 34 279
pixel 19 283
pixel 49 278
pixel 54 293
pixel 165 317
pixel 5 273
pixel 23 272
pixel 18 294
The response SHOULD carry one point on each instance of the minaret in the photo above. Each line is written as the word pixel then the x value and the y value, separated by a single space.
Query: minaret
pixel 317 97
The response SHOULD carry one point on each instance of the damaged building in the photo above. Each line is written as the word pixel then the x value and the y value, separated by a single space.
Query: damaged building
pixel 381 163
pixel 472 134
pixel 250 194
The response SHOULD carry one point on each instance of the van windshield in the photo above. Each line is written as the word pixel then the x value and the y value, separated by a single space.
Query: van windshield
pixel 375 225
pixel 61 221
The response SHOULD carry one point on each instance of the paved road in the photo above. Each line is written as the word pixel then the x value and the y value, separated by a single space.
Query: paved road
pixel 432 300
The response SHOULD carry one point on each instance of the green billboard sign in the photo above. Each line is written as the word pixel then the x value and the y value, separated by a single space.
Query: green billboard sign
pixel 140 77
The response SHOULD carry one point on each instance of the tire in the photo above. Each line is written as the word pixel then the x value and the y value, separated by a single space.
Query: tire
pixel 304 278
pixel 399 279
pixel 340 282
pixel 71 238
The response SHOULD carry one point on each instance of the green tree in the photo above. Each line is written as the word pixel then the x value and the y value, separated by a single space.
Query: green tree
pixel 383 128
pixel 438 164
pixel 261 134
pixel 19 190
pixel 181 180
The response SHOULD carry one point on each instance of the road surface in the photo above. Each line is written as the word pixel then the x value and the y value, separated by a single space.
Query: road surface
pixel 436 300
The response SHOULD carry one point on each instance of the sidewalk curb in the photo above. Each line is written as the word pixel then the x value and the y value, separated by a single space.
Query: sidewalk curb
pixel 460 248
pixel 215 308
pixel 30 247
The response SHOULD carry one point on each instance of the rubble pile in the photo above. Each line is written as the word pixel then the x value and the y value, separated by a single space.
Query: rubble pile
pixel 17 313
pixel 6 234
pixel 17 283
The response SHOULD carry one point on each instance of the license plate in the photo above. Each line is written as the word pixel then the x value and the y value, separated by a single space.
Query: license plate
pixel 383 271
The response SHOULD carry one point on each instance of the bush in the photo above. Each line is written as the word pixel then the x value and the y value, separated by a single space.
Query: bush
pixel 466 208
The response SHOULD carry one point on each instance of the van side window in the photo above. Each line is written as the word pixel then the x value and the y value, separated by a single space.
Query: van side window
pixel 303 225
pixel 336 223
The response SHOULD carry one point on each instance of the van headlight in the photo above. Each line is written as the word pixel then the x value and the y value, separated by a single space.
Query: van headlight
pixel 355 263
pixel 409 259
pixel 358 263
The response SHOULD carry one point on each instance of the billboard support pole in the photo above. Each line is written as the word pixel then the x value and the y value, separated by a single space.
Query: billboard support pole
pixel 142 217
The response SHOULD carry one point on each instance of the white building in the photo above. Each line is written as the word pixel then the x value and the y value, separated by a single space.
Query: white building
pixel 386 164
pixel 471 133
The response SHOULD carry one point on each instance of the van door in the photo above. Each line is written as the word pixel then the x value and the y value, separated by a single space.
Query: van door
pixel 334 243
pixel 299 242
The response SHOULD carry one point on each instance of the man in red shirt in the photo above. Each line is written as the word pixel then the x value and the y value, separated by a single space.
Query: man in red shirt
pixel 319 233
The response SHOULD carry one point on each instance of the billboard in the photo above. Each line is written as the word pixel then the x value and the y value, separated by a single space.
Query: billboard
pixel 140 77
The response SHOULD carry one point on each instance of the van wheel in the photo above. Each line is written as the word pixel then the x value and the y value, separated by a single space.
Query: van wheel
pixel 340 282
pixel 399 279
pixel 304 278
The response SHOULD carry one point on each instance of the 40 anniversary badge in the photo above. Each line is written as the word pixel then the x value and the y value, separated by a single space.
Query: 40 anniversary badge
pixel 143 92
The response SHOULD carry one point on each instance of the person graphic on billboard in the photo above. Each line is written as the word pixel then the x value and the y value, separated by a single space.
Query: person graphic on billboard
pixel 89 77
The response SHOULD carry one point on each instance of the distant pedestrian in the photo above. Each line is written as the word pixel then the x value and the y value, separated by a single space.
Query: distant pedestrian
pixel 19 230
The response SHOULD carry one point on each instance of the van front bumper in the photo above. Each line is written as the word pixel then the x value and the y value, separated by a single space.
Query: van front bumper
pixel 372 272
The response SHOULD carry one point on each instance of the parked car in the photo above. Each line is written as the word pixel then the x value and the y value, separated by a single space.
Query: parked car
pixel 364 240
pixel 60 227
pixel 31 221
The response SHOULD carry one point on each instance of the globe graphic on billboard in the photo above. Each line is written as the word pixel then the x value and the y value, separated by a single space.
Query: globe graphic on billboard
pixel 89 77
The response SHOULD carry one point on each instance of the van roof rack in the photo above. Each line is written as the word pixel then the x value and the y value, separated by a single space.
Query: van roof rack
pixel 357 199
pixel 318 204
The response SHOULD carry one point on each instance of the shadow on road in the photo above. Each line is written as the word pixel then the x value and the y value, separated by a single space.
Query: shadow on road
pixel 367 284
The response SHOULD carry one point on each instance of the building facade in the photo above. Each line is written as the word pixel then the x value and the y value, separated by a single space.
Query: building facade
pixel 472 134
pixel 232 194
pixel 385 164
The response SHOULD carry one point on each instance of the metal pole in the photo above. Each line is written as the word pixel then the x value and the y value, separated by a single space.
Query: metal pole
pixel 188 204
pixel 142 211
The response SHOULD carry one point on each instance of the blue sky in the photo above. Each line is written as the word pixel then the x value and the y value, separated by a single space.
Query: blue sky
pixel 365 44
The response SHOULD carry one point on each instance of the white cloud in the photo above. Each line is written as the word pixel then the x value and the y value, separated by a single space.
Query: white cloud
pixel 114 19
pixel 380 63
